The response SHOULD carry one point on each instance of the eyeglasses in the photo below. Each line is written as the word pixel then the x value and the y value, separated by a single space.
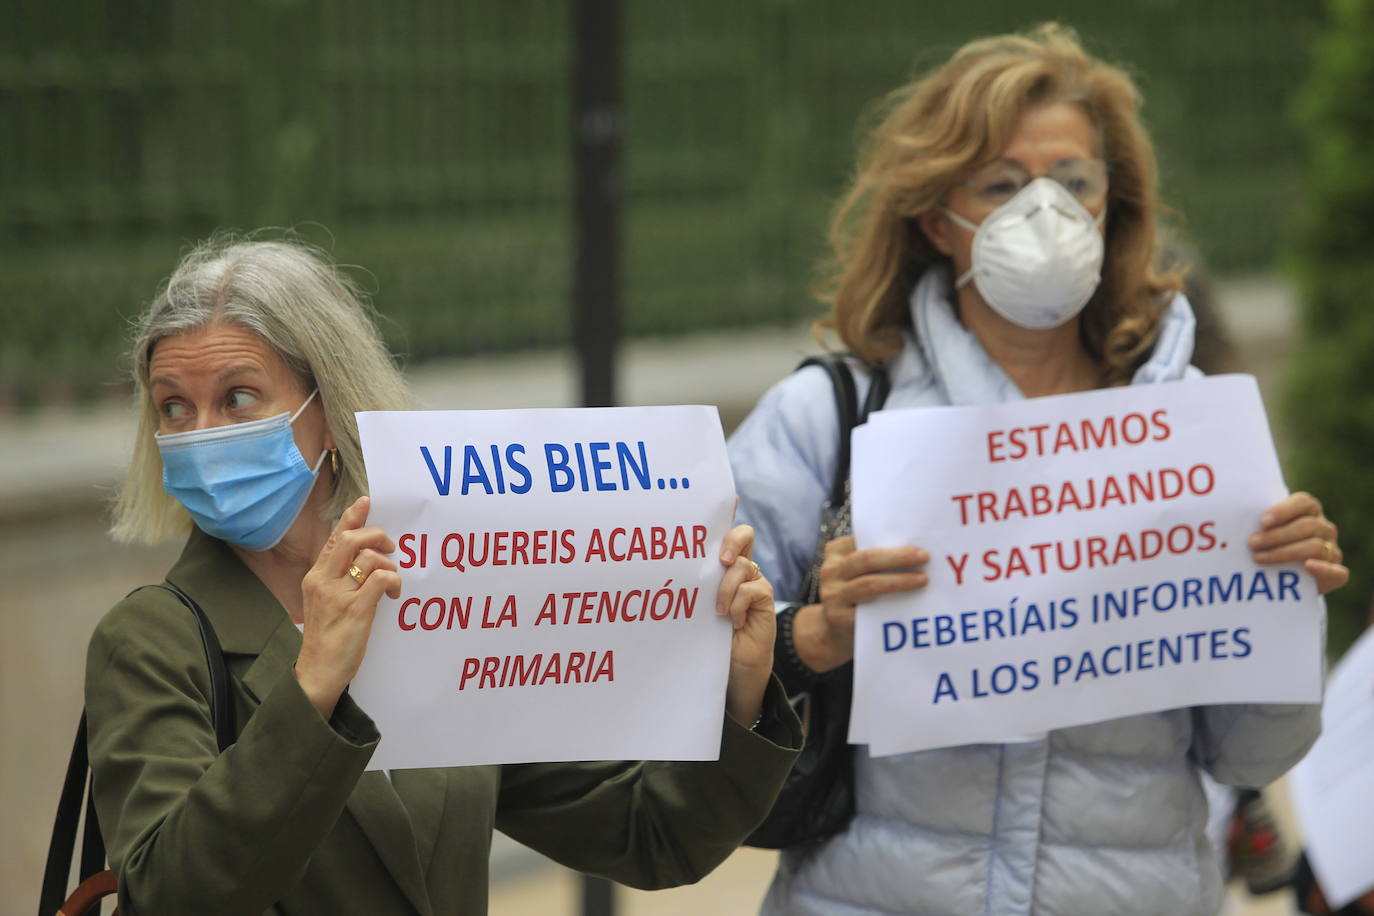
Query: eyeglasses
pixel 995 184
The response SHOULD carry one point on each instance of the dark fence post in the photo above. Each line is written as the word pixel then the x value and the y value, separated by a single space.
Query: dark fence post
pixel 598 195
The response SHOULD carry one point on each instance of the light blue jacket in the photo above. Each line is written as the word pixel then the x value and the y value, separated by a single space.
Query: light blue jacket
pixel 1090 821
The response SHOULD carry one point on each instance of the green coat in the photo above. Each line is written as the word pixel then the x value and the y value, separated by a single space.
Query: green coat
pixel 286 821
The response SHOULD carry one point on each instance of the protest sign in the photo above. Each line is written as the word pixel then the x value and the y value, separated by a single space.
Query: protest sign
pixel 559 576
pixel 1088 561
pixel 1333 786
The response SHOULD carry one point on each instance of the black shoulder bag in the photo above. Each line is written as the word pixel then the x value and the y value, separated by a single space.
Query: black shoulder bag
pixel 96 880
pixel 817 800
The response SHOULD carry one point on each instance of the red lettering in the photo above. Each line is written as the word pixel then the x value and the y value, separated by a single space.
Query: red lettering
pixel 572 674
pixel 519 542
pixel 1097 552
pixel 1063 439
pixel 1142 426
pixel 995 445
pixel 401 613
pixel 437 604
pixel 1162 429
pixel 596 547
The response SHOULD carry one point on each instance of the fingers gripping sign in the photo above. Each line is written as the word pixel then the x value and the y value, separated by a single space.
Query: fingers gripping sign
pixel 848 577
pixel 340 595
pixel 747 597
pixel 1296 530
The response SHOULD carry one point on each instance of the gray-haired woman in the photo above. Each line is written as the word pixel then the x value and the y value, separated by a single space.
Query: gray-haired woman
pixel 249 366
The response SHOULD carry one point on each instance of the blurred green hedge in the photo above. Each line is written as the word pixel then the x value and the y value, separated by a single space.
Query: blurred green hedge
pixel 431 138
pixel 1330 397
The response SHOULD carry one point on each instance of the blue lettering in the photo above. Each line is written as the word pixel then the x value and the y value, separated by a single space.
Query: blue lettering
pixel 1071 616
pixel 889 628
pixel 1173 596
pixel 1215 592
pixel 519 468
pixel 1085 666
pixel 944 630
pixel 1112 603
pixel 496 466
pixel 561 477
pixel 1259 585
pixel 944 687
pixel 581 465
pixel 600 464
pixel 1106 667
pixel 1006 684
pixel 1174 650
pixel 440 484
pixel 628 465
pixel 1192 592
pixel 968 626
pixel 473 472
pixel 919 633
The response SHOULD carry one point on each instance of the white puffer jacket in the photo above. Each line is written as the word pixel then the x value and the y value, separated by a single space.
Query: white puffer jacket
pixel 1091 821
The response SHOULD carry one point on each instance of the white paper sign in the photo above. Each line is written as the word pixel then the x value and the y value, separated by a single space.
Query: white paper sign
pixel 1088 561
pixel 1333 786
pixel 560 570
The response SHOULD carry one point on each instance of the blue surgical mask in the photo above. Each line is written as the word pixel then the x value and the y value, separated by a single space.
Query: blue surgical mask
pixel 244 483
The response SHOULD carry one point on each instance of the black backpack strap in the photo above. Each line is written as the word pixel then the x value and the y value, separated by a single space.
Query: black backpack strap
pixel 846 406
pixel 221 700
pixel 54 889
pixel 76 784
pixel 879 387
pixel 850 413
pixel 92 842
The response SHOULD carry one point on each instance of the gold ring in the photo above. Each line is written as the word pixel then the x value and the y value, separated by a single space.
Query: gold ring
pixel 1328 551
pixel 358 575
pixel 757 572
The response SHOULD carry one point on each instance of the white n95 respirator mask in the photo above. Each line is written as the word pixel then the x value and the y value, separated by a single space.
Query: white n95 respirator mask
pixel 1038 257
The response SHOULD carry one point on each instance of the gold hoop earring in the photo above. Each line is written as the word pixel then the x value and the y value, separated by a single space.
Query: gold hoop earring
pixel 334 461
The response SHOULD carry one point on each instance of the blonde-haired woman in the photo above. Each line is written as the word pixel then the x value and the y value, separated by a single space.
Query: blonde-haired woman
pixel 248 368
pixel 999 243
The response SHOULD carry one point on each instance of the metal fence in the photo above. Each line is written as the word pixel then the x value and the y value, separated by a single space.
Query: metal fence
pixel 428 140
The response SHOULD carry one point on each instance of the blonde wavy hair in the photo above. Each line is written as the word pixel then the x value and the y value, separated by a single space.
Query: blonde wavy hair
pixel 938 129
pixel 313 315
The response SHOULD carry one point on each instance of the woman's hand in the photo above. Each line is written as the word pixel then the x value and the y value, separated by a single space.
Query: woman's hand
pixel 824 633
pixel 1294 529
pixel 339 608
pixel 746 595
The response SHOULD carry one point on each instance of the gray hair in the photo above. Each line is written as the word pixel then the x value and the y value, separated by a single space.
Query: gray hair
pixel 295 298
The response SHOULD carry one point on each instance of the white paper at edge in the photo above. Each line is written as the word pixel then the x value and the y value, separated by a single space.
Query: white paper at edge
pixel 1333 786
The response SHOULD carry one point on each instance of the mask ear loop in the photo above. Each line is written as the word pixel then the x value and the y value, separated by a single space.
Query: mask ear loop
pixel 304 404
pixel 319 462
pixel 967 275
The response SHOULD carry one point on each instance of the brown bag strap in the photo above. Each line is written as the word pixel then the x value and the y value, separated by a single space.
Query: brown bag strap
pixel 89 893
